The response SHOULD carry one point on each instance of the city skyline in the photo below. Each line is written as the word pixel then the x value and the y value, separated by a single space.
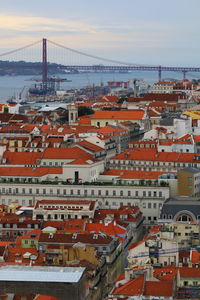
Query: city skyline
pixel 139 32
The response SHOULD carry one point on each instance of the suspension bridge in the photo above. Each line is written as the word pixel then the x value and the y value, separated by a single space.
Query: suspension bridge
pixel 82 62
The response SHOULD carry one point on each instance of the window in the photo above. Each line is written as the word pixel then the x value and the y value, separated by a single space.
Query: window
pixel 149 205
pixel 129 193
pixel 155 205
pixel 144 205
pixel 121 193
pixel 160 194
pixel 71 192
pixel 58 192
pixel 30 191
pixel 114 193
pixel 136 193
pixel 144 193
pixel 64 192
pixel 99 192
pixel 44 191
pixel 106 192
pixel 155 194
pixel 78 192
pixel 149 193
pixel 37 191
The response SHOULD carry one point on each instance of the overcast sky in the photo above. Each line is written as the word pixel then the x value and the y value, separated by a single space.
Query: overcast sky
pixel 142 31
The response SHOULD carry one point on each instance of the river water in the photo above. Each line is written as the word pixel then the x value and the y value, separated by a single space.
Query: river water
pixel 11 86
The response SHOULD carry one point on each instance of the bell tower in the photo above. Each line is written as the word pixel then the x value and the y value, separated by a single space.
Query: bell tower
pixel 72 113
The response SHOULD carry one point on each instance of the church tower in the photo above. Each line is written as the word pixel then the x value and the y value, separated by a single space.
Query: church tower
pixel 72 113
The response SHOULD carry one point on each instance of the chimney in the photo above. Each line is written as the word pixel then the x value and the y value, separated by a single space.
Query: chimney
pixel 127 272
pixel 74 236
pixel 149 274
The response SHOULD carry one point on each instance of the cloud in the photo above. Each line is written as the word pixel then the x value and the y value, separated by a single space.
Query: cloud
pixel 115 40
pixel 27 24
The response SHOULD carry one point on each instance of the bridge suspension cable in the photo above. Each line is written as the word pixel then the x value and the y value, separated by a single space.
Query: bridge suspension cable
pixel 19 49
pixel 94 56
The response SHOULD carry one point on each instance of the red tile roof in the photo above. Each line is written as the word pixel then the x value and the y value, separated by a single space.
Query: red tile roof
pixel 45 297
pixel 34 234
pixel 131 288
pixel 157 97
pixel 189 272
pixel 186 139
pixel 160 104
pixel 90 146
pixel 165 273
pixel 66 153
pixel 155 229
pixel 70 240
pixel 165 82
pixel 154 113
pixel 120 277
pixel 146 154
pixel 6 243
pixel 158 288
pixel 111 130
pixel 16 253
pixel 118 115
pixel 108 99
pixel 110 229
pixel 127 174
pixel 195 257
pixel 28 171
pixel 76 225
pixel 22 158
pixel 84 120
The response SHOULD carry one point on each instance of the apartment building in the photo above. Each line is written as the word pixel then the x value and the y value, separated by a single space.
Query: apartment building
pixel 189 182
pixel 180 209
pixel 186 234
pixel 152 160
pixel 150 199
pixel 103 118
pixel 63 209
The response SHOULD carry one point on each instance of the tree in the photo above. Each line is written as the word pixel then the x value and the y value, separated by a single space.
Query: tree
pixel 85 110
